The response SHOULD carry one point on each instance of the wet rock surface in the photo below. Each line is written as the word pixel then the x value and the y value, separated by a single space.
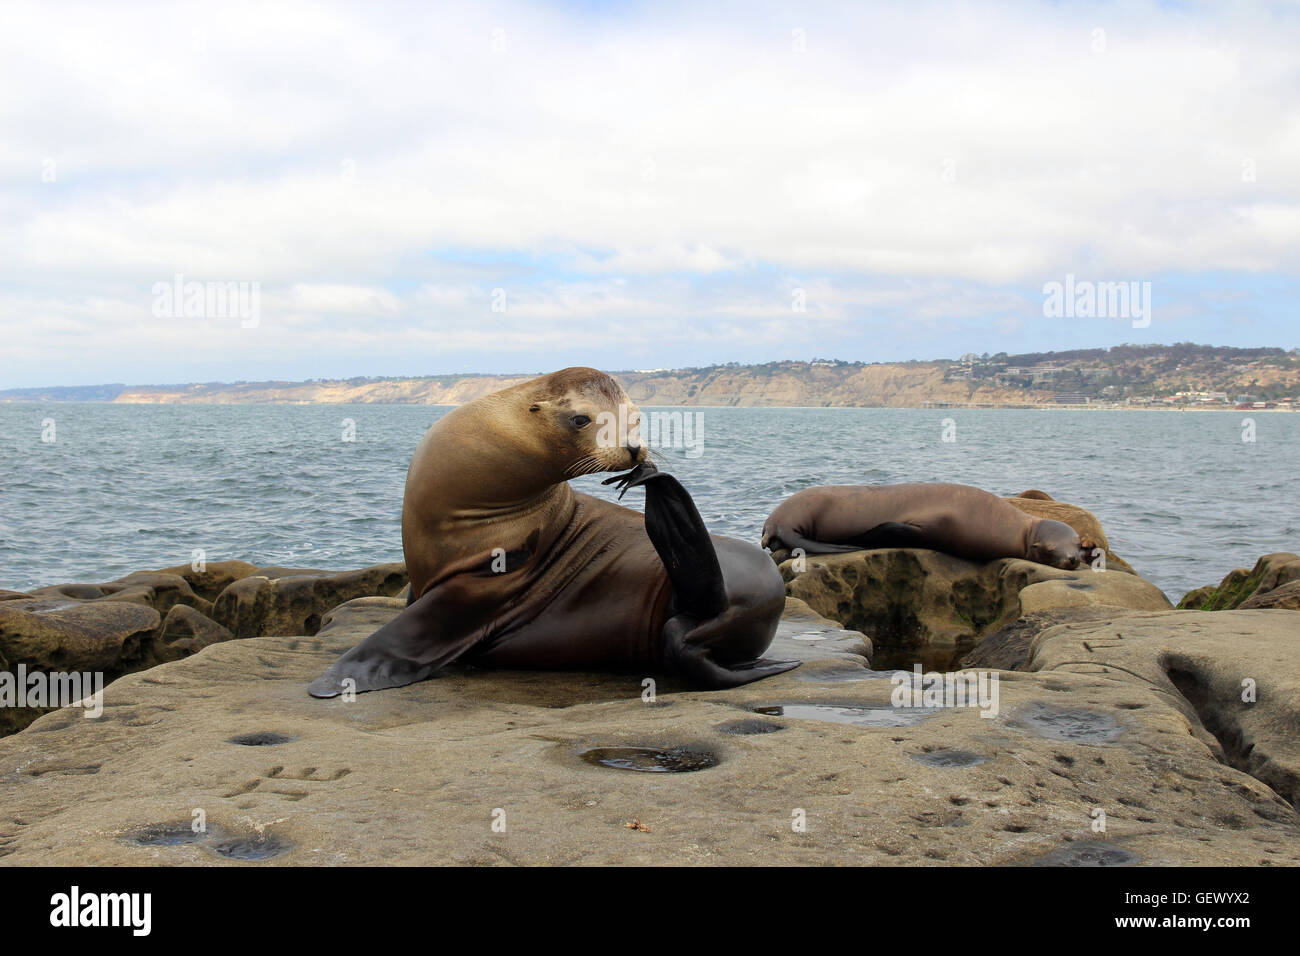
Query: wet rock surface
pixel 152 617
pixel 927 606
pixel 1250 587
pixel 1235 675
pixel 288 601
pixel 488 767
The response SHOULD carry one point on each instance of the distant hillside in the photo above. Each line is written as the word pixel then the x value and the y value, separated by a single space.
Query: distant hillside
pixel 64 393
pixel 1182 374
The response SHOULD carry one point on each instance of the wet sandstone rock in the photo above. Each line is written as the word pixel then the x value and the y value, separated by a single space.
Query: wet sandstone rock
pixel 289 601
pixel 1234 674
pixel 1271 572
pixel 419 774
pixel 214 577
pixel 917 604
pixel 108 638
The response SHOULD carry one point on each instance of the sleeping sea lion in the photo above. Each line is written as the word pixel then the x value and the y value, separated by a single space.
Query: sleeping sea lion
pixel 511 568
pixel 956 519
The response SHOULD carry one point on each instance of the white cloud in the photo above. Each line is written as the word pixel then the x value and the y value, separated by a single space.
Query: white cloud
pixel 384 164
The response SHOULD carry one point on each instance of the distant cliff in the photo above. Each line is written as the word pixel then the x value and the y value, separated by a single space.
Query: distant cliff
pixel 783 384
pixel 1156 374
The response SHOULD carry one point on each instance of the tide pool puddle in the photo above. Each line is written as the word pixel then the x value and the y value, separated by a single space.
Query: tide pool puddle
pixel 859 716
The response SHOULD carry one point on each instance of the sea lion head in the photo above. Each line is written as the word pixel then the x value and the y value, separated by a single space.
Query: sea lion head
pixel 587 421
pixel 1055 544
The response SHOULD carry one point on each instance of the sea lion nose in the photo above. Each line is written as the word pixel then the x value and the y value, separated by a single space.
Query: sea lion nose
pixel 634 450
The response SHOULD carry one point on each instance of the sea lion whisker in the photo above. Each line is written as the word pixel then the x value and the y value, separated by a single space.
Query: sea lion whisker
pixel 582 466
pixel 571 470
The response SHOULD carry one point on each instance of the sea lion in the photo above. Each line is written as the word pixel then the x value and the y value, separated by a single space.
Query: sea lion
pixel 957 519
pixel 511 568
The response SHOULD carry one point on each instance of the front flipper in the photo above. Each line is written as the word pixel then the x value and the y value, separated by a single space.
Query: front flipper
pixel 708 623
pixel 893 534
pixel 403 651
pixel 678 533
pixel 792 540
pixel 445 623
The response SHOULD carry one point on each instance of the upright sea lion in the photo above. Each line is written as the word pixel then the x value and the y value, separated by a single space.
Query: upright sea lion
pixel 511 568
pixel 957 519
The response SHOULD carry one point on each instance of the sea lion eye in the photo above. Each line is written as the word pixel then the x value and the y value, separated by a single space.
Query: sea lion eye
pixel 581 421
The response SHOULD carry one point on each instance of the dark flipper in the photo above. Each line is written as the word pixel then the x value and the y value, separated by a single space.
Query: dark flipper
pixel 678 533
pixel 698 661
pixel 893 534
pixel 697 637
pixel 791 540
pixel 445 623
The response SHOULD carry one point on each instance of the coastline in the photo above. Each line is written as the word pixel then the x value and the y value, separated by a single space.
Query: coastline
pixel 928 406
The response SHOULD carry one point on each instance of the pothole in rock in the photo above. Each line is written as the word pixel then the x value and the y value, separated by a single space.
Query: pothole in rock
pixel 1087 853
pixel 1076 725
pixel 841 714
pixel 749 727
pixel 650 759
pixel 251 848
pixel 163 834
pixel 262 739
pixel 950 759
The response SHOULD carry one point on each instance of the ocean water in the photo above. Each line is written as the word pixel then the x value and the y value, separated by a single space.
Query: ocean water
pixel 127 487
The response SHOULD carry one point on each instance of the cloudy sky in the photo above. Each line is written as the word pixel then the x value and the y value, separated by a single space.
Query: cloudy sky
pixel 518 187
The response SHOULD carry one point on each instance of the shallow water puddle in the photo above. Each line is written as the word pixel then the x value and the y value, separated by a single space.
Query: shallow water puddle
pixel 841 675
pixel 1079 726
pixel 164 834
pixel 1087 853
pixel 860 716
pixel 264 739
pixel 950 759
pixel 251 848
pixel 649 759
pixel 747 727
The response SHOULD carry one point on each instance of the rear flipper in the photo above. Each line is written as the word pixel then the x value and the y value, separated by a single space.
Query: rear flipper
pixel 446 622
pixel 712 636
